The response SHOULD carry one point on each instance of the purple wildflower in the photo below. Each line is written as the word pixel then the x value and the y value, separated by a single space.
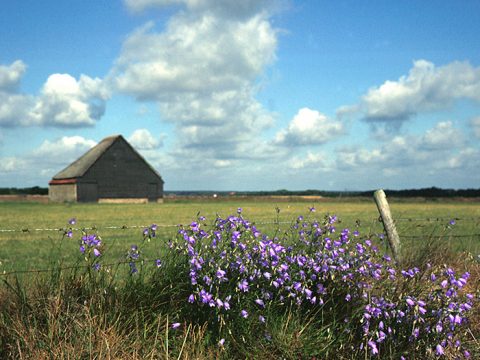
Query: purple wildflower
pixel 133 268
pixel 308 293
pixel 175 325
pixel 439 350
pixel 439 327
pixel 221 274
pixel 410 302
pixel 373 347
pixel 205 297
pixel 243 285
pixel 260 302
pixel 226 304
pixel 360 248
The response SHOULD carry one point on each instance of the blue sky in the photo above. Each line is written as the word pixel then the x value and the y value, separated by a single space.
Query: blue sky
pixel 251 95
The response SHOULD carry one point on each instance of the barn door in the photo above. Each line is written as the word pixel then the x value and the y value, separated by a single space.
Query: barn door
pixel 152 192
pixel 89 192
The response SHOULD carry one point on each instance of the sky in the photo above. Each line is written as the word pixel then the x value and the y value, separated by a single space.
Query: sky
pixel 245 95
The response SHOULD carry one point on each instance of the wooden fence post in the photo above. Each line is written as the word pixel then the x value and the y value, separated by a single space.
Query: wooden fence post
pixel 388 223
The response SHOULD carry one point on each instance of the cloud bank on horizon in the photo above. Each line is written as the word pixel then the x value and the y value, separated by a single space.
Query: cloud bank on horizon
pixel 202 76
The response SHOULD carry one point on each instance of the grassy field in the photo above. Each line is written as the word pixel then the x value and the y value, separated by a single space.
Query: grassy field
pixel 27 248
pixel 424 308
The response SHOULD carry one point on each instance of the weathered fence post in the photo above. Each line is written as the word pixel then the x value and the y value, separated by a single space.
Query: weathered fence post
pixel 388 224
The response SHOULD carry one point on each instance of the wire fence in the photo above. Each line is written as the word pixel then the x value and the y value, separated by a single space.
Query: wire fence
pixel 406 222
pixel 119 227
pixel 26 229
pixel 443 219
pixel 63 268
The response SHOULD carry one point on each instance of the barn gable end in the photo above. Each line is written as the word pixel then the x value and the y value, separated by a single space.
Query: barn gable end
pixel 112 170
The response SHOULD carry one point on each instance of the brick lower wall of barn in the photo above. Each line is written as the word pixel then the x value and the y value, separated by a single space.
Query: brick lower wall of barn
pixel 62 193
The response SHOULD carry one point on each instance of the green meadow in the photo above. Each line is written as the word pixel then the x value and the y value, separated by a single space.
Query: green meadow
pixel 56 304
pixel 30 246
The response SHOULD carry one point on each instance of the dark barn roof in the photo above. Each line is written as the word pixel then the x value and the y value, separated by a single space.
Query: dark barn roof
pixel 80 166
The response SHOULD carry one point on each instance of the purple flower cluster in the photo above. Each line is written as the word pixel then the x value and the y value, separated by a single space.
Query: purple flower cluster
pixel 90 244
pixel 68 232
pixel 150 232
pixel 236 271
pixel 133 255
pixel 90 247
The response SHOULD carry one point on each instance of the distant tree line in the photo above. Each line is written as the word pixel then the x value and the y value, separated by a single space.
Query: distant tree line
pixel 432 192
pixel 35 190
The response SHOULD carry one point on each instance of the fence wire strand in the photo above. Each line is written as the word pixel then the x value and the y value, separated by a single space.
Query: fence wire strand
pixel 125 227
pixel 122 227
pixel 432 219
pixel 166 226
pixel 70 267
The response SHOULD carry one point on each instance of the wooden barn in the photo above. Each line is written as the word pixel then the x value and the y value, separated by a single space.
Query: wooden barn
pixel 111 171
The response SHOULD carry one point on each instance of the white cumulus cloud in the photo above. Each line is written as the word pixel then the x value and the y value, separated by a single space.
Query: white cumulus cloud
pixel 224 8
pixel 63 101
pixel 66 148
pixel 12 164
pixel 10 76
pixel 142 139
pixel 442 136
pixel 414 158
pixel 39 165
pixel 425 88
pixel 13 105
pixel 203 71
pixel 316 161
pixel 309 127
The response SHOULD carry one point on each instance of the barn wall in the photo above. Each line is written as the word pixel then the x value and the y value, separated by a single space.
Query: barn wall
pixel 62 192
pixel 87 192
pixel 121 173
